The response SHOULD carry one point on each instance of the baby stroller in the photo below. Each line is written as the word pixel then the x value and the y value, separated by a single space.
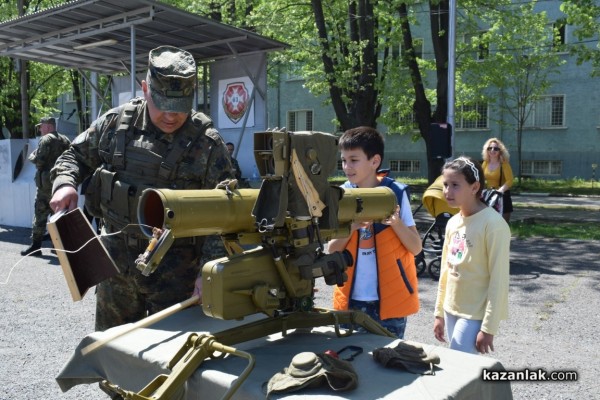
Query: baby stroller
pixel 433 239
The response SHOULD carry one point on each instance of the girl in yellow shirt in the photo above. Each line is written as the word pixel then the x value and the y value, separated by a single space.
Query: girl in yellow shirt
pixel 472 295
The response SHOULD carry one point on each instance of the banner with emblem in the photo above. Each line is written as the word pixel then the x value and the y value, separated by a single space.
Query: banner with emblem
pixel 234 103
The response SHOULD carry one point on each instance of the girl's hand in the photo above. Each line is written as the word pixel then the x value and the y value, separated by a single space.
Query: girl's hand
pixel 484 342
pixel 438 329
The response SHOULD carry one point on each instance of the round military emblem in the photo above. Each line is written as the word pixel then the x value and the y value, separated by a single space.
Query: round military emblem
pixel 235 101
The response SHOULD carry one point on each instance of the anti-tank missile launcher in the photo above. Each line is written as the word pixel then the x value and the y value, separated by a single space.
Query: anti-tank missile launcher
pixel 275 237
pixel 283 226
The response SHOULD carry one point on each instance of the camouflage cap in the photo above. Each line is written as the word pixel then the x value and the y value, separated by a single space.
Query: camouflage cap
pixel 48 120
pixel 171 78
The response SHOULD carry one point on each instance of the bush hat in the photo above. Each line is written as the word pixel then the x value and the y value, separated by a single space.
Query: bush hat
pixel 171 78
pixel 48 120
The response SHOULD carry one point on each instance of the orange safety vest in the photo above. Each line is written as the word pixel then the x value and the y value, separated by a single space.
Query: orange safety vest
pixel 396 272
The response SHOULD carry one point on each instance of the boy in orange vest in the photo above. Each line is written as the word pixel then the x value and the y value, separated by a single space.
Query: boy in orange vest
pixel 382 281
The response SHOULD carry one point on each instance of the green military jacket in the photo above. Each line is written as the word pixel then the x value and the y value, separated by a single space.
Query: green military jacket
pixel 50 147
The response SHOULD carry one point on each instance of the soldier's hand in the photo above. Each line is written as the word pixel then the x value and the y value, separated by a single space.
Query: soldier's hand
pixel 198 287
pixel 65 198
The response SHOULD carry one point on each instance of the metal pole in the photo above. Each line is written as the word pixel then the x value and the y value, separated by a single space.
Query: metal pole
pixel 95 94
pixel 133 67
pixel 24 82
pixel 451 68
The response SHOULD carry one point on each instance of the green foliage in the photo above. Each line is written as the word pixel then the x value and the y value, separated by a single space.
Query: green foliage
pixel 584 16
pixel 368 72
pixel 342 50
pixel 521 62
pixel 46 82
pixel 518 56
pixel 552 229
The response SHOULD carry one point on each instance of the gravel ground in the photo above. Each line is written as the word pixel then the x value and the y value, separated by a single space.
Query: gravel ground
pixel 553 325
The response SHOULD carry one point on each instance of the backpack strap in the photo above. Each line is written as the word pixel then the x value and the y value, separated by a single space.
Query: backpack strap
pixel 167 167
pixel 124 127
pixel 399 189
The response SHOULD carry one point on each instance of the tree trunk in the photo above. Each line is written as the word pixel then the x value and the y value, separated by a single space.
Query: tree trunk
pixel 422 106
pixel 360 105
pixel 440 24
pixel 77 96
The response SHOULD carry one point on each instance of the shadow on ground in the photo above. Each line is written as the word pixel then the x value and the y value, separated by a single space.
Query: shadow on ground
pixel 538 264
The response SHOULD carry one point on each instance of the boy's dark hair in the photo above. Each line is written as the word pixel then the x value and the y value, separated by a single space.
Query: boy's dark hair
pixel 365 138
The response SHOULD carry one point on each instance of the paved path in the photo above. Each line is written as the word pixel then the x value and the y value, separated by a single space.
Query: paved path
pixel 554 298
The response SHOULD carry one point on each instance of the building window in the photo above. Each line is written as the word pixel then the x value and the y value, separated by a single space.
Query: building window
pixel 411 166
pixel 300 120
pixel 340 167
pixel 541 167
pixel 480 46
pixel 559 36
pixel 294 71
pixel 547 112
pixel 473 116
pixel 408 119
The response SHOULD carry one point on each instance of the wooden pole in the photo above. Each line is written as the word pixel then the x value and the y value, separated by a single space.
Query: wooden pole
pixel 149 320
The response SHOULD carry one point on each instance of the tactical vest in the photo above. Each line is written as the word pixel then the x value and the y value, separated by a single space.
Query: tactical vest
pixel 135 162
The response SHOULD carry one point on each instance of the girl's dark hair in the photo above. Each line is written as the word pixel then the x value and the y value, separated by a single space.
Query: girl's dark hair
pixel 470 168
pixel 365 138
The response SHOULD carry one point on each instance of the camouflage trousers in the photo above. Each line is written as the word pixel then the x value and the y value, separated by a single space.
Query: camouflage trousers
pixel 130 296
pixel 42 211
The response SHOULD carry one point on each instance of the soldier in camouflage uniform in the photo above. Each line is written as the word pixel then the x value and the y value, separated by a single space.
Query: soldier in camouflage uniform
pixel 154 141
pixel 50 146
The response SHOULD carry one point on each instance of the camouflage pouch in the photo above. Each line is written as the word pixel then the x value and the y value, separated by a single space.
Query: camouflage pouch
pixel 91 189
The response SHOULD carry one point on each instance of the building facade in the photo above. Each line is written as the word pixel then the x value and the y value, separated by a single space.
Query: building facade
pixel 560 140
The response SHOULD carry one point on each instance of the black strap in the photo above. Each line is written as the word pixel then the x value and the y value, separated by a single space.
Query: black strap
pixel 167 167
pixel 124 127
pixel 355 351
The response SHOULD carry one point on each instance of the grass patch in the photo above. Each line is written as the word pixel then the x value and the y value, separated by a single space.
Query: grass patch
pixel 554 229
pixel 573 186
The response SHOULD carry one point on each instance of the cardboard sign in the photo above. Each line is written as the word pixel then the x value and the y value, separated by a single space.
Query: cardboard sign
pixel 84 259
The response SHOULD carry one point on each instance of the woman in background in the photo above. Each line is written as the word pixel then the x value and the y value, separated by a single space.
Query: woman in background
pixel 498 173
